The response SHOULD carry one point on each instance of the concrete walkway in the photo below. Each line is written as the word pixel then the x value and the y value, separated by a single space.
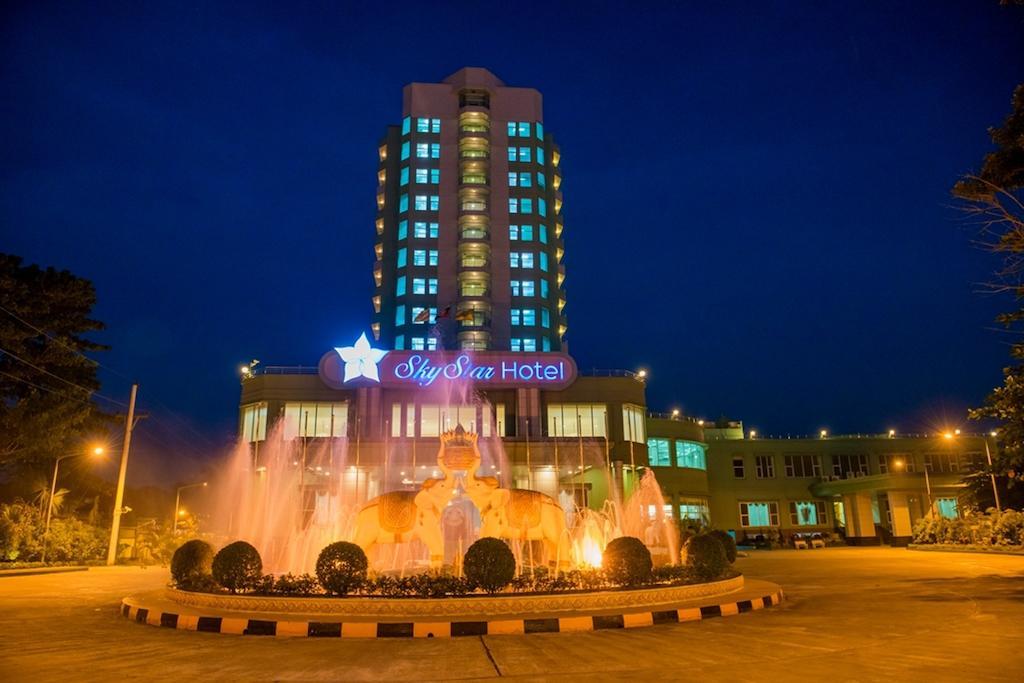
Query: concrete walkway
pixel 851 614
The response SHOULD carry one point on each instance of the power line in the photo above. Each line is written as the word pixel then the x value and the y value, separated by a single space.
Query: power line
pixel 91 392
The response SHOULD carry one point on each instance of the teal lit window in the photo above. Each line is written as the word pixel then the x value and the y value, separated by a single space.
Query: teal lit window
pixel 547 344
pixel 419 285
pixel 691 455
pixel 400 286
pixel 516 315
pixel 520 259
pixel 403 176
pixel 526 233
pixel 519 179
pixel 435 202
pixel 545 317
pixel 424 230
pixel 513 259
pixel 543 234
pixel 515 285
pixel 435 125
pixel 542 207
pixel 657 453
pixel 540 156
pixel 419 257
pixel 524 129
pixel 544 261
pixel 422 125
pixel 400 314
pixel 422 175
pixel 399 342
pixel 524 154
pixel 421 202
pixel 526 258
pixel 528 288
pixel 513 232
pixel 431 285
pixel 525 205
pixel 512 154
pixel 432 257
pixel 540 130
pixel 529 317
pixel 405 150
pixel 422 150
pixel 403 229
pixel 511 129
pixel 435 176
pixel 406 125
pixel 417 343
pixel 946 507
pixel 544 289
pixel 759 514
pixel 403 203
pixel 513 205
pixel 529 344
pixel 516 342
pixel 541 181
pixel 401 259
pixel 435 151
pixel 807 513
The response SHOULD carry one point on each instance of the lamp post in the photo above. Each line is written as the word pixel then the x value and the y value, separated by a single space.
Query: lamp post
pixel 97 451
pixel 991 474
pixel 115 526
pixel 177 501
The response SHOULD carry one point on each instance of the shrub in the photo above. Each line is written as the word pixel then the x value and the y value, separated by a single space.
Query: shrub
pixel 705 557
pixel 489 564
pixel 192 560
pixel 627 561
pixel 237 566
pixel 670 573
pixel 341 567
pixel 296 584
pixel 728 543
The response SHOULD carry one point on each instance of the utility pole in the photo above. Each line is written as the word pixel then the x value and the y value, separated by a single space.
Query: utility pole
pixel 992 476
pixel 115 527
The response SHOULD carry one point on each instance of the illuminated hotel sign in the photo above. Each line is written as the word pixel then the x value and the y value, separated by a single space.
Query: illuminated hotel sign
pixel 362 365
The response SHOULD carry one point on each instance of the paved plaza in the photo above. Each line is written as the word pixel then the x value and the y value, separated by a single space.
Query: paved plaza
pixel 851 614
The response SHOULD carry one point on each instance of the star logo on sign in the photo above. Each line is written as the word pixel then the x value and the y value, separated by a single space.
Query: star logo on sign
pixel 361 360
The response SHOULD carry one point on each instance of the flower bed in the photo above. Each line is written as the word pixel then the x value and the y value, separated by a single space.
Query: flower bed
pixel 985 530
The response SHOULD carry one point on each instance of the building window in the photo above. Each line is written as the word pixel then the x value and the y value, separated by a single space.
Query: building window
pixel 525 205
pixel 947 507
pixel 738 468
pixel 516 315
pixel 419 285
pixel 523 154
pixel 691 455
pixel 524 129
pixel 403 176
pixel 546 344
pixel 422 176
pixel 519 179
pixel 526 233
pixel 435 151
pixel 424 257
pixel 520 259
pixel 541 181
pixel 895 462
pixel 657 453
pixel 543 232
pixel 421 315
pixel 545 318
pixel 403 203
pixel 759 514
pixel 513 233
pixel 254 422
pixel 524 316
pixel 422 150
pixel 513 205
pixel 403 229
pixel 540 156
pixel 542 207
pixel 540 130
pixel 522 287
pixel 543 288
pixel 423 343
pixel 577 419
pixel 807 513
pixel 802 466
pixel 633 423
pixel 315 419
pixel 405 151
pixel 849 466
pixel 424 125
pixel 400 286
pixel 400 260
pixel 764 466
pixel 696 510
pixel 423 230
pixel 399 342
pixel 544 261
pixel 400 315
pixel 529 344
pixel 406 125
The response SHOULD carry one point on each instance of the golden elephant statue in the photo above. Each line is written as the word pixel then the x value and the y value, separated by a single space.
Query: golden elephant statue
pixel 400 516
pixel 521 515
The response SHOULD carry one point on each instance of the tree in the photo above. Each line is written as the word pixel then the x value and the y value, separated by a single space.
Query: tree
pixel 994 197
pixel 46 383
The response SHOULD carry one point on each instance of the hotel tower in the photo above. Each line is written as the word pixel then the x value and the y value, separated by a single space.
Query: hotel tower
pixel 469 221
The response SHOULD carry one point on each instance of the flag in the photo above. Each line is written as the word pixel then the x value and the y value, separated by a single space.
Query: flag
pixel 445 313
pixel 466 314
pixel 423 316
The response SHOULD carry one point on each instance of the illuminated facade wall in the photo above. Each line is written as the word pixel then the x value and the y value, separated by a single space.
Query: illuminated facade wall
pixel 469 221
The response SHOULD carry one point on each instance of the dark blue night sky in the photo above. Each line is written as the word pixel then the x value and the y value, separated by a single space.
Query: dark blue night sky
pixel 756 194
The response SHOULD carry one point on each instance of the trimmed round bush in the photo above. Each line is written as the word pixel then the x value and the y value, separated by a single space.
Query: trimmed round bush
pixel 191 562
pixel 728 543
pixel 489 564
pixel 706 557
pixel 627 561
pixel 341 567
pixel 237 566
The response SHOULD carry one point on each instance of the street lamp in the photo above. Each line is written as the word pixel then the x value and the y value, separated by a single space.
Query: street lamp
pixel 898 464
pixel 641 374
pixel 94 451
pixel 675 413
pixel 823 434
pixel 178 512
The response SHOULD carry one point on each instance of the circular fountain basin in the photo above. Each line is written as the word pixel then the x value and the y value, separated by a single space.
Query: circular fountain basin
pixel 448 617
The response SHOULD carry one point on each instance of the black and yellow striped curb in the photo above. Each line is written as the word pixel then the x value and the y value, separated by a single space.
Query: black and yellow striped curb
pixel 440 629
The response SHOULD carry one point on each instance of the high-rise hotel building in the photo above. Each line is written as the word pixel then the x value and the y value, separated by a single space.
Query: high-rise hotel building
pixel 469 221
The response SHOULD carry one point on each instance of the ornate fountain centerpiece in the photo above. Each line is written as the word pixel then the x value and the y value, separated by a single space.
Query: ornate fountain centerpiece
pixel 458 450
